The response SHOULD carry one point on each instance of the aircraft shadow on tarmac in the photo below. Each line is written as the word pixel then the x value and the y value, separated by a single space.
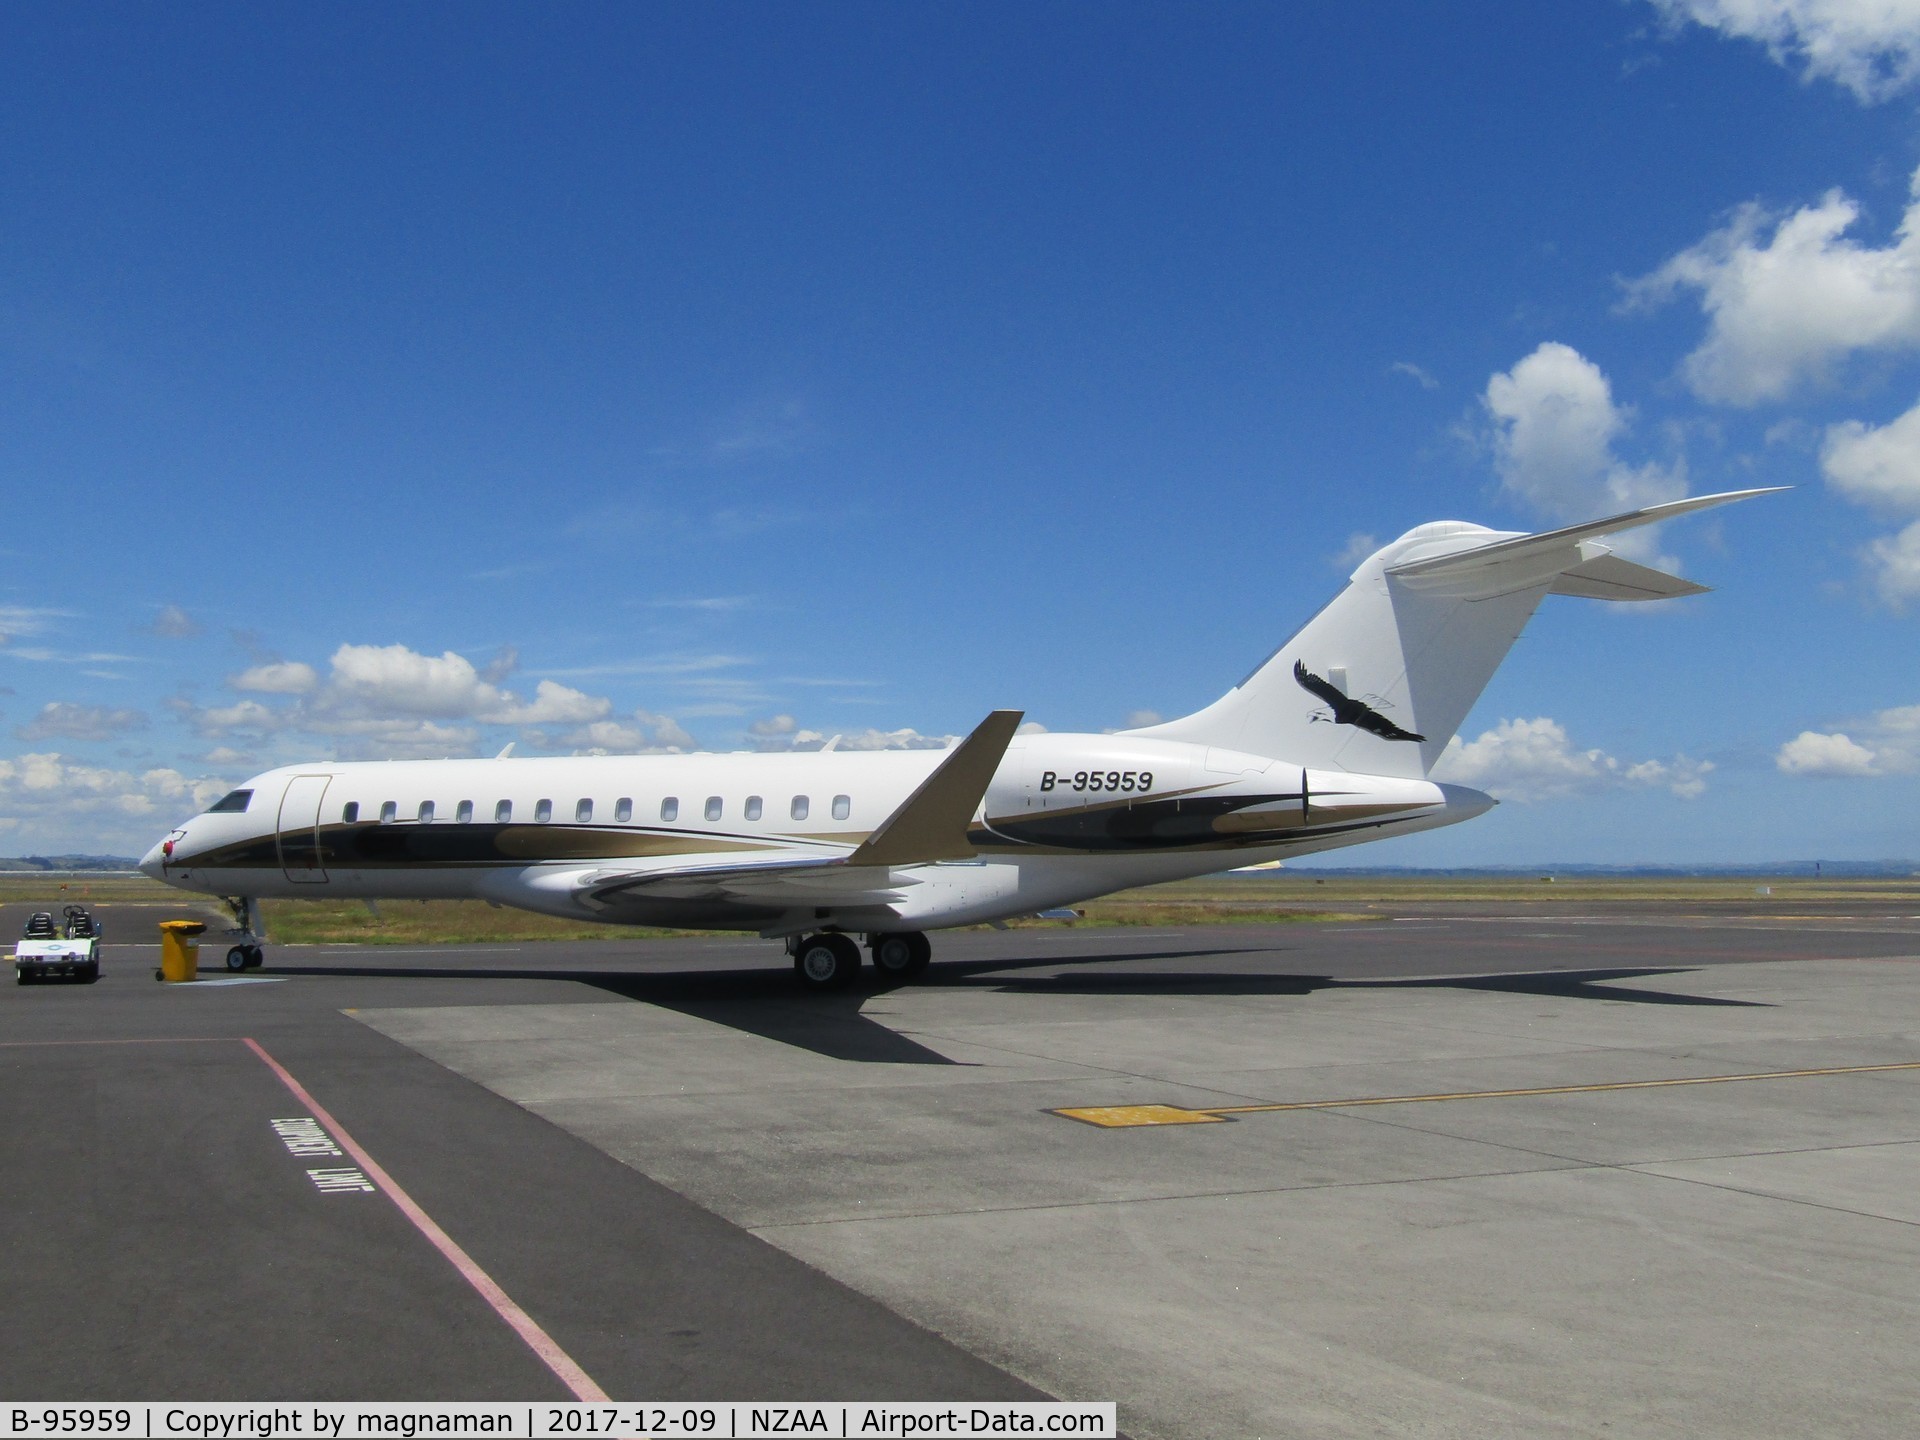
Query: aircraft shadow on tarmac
pixel 765 1003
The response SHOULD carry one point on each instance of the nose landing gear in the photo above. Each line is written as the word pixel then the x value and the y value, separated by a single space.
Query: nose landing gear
pixel 246 953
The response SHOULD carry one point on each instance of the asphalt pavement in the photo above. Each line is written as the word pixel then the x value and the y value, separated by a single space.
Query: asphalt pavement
pixel 1582 1169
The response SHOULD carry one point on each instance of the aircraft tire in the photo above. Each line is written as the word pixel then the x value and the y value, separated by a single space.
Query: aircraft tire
pixel 827 962
pixel 893 956
pixel 902 955
pixel 237 958
pixel 922 953
pixel 256 957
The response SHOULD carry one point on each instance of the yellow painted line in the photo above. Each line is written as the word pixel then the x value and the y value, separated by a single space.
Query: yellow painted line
pixel 1121 1117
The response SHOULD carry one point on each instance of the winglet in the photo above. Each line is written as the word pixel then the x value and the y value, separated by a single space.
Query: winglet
pixel 932 823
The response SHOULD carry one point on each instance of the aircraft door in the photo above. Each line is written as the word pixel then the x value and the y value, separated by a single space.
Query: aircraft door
pixel 299 829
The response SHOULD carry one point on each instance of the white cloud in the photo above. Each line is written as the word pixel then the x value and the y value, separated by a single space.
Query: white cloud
pixel 869 739
pixel 1872 47
pixel 1031 727
pixel 382 737
pixel 1880 467
pixel 902 739
pixel 173 623
pixel 243 715
pixel 395 680
pixel 280 677
pixel 1889 744
pixel 1415 373
pixel 41 655
pixel 1531 760
pixel 1875 466
pixel 711 604
pixel 17 621
pixel 1784 307
pixel 1555 425
pixel 392 701
pixel 52 801
pixel 1811 753
pixel 665 665
pixel 227 758
pixel 772 726
pixel 62 721
pixel 1893 562
pixel 505 661
pixel 1358 547
pixel 648 735
pixel 552 704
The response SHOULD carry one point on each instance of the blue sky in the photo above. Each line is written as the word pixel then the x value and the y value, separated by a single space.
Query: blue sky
pixel 404 382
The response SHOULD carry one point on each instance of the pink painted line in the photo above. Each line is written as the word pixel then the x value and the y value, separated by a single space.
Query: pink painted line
pixel 524 1325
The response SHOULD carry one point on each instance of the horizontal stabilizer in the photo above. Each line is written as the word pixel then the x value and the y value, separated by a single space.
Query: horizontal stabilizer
pixel 1383 677
pixel 1547 542
pixel 1608 577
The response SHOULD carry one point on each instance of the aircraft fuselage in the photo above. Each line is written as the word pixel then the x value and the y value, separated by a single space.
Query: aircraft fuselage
pixel 1065 818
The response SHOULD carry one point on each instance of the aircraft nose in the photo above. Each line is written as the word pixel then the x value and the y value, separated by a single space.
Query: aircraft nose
pixel 153 862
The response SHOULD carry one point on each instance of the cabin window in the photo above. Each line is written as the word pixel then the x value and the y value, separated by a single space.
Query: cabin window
pixel 670 808
pixel 389 812
pixel 842 807
pixel 463 813
pixel 622 810
pixel 503 812
pixel 542 811
pixel 426 812
pixel 714 806
pixel 350 812
pixel 231 803
pixel 799 807
pixel 753 807
pixel 583 812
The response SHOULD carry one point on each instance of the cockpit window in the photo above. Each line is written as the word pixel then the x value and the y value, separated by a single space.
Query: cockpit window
pixel 231 803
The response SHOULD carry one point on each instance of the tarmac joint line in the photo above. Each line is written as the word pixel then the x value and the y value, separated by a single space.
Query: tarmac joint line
pixel 1131 1117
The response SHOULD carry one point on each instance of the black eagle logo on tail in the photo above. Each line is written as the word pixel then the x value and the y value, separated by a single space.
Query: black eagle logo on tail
pixel 1348 711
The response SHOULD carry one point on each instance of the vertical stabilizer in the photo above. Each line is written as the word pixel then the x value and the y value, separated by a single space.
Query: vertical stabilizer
pixel 1383 677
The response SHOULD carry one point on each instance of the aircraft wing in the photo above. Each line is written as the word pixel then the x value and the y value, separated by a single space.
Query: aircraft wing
pixel 796 881
pixel 931 824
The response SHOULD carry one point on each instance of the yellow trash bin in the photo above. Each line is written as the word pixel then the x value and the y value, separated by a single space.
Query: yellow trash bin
pixel 179 955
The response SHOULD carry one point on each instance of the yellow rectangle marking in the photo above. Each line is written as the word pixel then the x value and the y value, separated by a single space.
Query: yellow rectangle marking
pixel 1122 1117
pixel 1119 1117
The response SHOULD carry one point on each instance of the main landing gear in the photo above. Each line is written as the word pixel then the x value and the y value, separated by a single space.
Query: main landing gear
pixel 831 961
pixel 903 956
pixel 245 953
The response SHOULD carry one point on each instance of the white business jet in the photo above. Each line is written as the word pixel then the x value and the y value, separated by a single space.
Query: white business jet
pixel 1328 743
